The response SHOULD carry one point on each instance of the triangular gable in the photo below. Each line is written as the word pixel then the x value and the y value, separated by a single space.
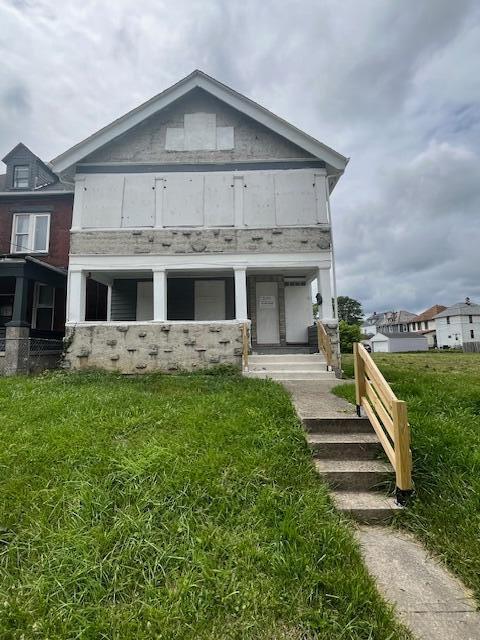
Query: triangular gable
pixel 335 162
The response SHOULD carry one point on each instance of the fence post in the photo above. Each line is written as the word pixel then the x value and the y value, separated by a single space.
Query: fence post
pixel 360 387
pixel 403 457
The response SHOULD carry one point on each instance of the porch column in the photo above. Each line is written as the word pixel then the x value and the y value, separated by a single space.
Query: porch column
pixel 325 290
pixel 77 283
pixel 19 315
pixel 159 294
pixel 240 293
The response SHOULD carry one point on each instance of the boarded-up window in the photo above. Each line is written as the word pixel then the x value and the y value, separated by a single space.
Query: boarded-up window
pixel 295 198
pixel 102 201
pixel 258 200
pixel 183 201
pixel 219 200
pixel 138 201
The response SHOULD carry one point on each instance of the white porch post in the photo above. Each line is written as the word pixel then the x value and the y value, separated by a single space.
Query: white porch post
pixel 109 302
pixel 325 290
pixel 159 294
pixel 76 296
pixel 240 293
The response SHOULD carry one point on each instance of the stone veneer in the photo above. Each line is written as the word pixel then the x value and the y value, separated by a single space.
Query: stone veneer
pixel 156 346
pixel 196 241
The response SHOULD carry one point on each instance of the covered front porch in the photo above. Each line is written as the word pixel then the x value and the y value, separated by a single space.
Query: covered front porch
pixel 277 301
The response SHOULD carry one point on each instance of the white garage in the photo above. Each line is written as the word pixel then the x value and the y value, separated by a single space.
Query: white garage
pixel 398 342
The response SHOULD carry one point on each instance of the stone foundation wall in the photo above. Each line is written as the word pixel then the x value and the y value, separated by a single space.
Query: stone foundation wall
pixel 192 241
pixel 147 347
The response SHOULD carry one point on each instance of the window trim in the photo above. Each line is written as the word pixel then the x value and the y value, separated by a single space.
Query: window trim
pixel 37 305
pixel 21 166
pixel 31 232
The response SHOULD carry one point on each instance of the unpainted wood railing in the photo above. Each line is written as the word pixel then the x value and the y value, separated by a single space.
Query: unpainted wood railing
pixel 388 416
pixel 245 346
pixel 325 344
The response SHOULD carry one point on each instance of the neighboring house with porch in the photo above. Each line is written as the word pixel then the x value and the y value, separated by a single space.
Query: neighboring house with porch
pixel 196 214
pixel 458 326
pixel 35 220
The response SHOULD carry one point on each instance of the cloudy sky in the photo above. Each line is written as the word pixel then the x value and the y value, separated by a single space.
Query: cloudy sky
pixel 394 85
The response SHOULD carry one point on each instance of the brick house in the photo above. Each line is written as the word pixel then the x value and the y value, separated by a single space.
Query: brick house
pixel 35 221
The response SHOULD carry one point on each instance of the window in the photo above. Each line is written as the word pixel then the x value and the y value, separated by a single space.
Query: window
pixel 472 334
pixel 470 319
pixel 21 176
pixel 425 325
pixel 43 307
pixel 30 232
pixel 448 319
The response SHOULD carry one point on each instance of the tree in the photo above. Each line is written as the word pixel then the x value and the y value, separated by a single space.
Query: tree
pixel 349 310
pixel 349 333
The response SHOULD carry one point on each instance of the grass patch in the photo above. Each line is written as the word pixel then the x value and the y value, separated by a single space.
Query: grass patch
pixel 170 507
pixel 443 395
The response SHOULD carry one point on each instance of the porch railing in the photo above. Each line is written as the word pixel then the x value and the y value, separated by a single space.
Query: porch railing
pixel 325 344
pixel 388 416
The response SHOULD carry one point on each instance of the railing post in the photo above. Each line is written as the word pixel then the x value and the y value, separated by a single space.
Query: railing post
pixel 319 339
pixel 403 458
pixel 360 386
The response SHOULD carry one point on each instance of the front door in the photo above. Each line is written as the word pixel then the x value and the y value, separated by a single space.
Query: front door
pixel 268 331
pixel 298 310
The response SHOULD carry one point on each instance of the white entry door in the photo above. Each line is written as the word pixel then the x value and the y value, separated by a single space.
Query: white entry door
pixel 209 299
pixel 268 331
pixel 145 300
pixel 298 310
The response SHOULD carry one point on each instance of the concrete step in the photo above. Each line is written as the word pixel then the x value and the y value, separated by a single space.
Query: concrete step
pixel 349 424
pixel 275 350
pixel 290 358
pixel 368 507
pixel 345 446
pixel 287 366
pixel 354 475
pixel 291 375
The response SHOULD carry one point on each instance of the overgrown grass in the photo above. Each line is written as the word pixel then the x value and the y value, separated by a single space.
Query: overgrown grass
pixel 170 507
pixel 443 395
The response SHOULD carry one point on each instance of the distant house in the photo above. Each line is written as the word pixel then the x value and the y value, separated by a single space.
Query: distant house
pixel 458 325
pixel 387 321
pixel 35 221
pixel 425 324
pixel 390 342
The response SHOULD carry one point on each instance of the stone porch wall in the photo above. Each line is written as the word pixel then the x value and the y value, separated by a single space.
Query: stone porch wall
pixel 192 241
pixel 147 347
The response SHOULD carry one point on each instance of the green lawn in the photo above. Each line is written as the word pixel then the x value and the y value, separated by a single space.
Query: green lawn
pixel 442 391
pixel 170 507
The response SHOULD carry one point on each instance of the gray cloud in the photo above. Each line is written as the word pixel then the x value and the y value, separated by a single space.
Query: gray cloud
pixel 396 90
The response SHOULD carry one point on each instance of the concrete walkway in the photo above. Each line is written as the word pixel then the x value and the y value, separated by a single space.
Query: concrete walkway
pixel 315 400
pixel 431 602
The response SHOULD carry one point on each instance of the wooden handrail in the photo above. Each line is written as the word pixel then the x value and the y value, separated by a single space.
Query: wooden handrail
pixel 388 416
pixel 325 344
pixel 245 346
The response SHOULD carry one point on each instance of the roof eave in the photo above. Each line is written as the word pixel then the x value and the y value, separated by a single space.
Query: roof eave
pixel 336 161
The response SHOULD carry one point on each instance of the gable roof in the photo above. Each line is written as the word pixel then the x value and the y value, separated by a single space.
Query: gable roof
pixel 460 309
pixel 430 313
pixel 335 162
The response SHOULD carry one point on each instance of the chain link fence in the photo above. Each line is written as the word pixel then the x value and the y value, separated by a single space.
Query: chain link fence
pixel 29 355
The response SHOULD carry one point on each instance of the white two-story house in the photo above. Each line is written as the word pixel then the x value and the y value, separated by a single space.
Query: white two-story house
pixel 197 214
